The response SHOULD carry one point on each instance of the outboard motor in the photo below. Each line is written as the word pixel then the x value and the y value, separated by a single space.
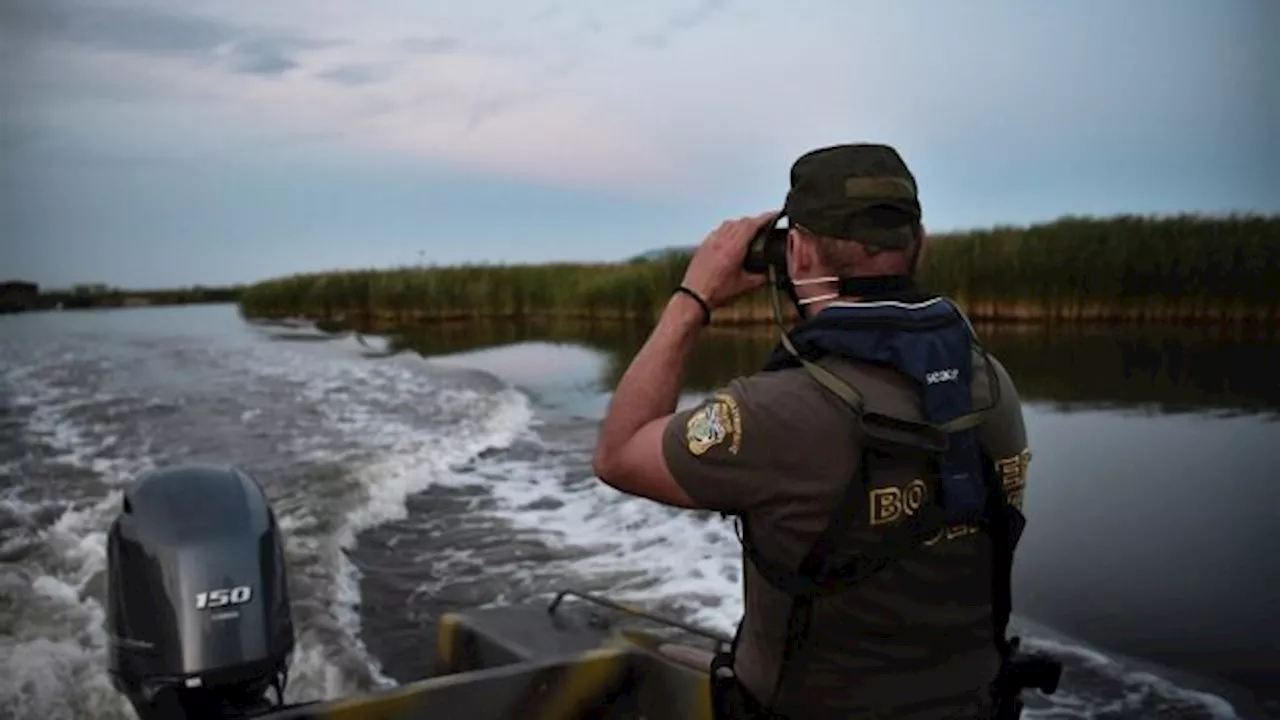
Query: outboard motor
pixel 198 602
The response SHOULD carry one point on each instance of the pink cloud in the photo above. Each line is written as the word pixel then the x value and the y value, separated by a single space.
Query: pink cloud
pixel 483 111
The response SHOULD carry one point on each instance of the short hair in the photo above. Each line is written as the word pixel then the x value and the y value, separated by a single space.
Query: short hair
pixel 840 255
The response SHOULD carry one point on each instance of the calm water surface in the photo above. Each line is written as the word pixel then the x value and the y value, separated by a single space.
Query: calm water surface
pixel 411 486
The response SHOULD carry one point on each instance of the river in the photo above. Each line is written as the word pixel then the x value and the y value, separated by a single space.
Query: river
pixel 463 478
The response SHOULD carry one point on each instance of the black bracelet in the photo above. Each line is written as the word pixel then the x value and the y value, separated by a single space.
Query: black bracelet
pixel 706 309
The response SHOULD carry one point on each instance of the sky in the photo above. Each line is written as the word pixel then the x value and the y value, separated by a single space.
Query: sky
pixel 153 143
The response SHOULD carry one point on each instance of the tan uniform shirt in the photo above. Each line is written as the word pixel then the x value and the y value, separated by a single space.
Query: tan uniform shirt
pixel 913 641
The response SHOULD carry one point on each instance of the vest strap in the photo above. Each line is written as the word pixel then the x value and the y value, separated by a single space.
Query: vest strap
pixel 833 383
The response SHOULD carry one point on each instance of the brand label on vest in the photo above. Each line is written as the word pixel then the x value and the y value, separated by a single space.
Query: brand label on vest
pixel 940 376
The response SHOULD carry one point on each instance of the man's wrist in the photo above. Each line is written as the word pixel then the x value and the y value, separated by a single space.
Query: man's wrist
pixel 685 310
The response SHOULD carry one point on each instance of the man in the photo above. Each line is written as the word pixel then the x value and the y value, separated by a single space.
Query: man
pixel 906 447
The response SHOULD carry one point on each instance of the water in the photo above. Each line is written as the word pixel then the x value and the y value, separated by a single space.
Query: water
pixel 464 480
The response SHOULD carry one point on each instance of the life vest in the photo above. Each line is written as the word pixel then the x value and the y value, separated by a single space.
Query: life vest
pixel 929 340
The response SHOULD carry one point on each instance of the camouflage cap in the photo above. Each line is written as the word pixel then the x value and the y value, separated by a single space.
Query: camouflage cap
pixel 832 189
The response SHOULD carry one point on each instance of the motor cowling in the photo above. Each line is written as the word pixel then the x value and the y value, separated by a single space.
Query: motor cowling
pixel 198 601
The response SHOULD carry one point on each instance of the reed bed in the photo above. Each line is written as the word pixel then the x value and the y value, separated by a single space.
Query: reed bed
pixel 1184 268
pixel 115 298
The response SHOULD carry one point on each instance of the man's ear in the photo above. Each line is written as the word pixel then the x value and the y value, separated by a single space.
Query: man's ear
pixel 922 246
pixel 799 251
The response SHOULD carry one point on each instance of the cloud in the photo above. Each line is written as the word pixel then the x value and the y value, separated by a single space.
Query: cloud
pixel 681 20
pixel 697 15
pixel 260 57
pixel 428 45
pixel 468 108
pixel 566 92
pixel 486 104
pixel 354 74
pixel 137 29
pixel 163 32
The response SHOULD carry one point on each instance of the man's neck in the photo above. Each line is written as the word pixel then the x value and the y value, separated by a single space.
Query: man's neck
pixel 862 287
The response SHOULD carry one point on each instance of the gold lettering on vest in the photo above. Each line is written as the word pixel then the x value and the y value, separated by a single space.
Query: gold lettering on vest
pixel 1013 476
pixel 914 496
pixel 886 505
pixel 891 504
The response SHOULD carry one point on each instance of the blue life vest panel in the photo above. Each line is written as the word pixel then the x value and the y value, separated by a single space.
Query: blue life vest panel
pixel 929 341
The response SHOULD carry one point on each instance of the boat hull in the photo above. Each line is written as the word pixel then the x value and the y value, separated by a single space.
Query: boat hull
pixel 542 663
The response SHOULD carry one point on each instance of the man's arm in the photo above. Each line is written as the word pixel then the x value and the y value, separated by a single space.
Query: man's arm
pixel 628 454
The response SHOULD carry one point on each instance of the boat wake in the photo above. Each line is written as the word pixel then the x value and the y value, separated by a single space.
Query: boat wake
pixel 338 443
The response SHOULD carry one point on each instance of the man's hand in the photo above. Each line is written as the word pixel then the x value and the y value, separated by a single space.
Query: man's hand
pixel 629 453
pixel 715 272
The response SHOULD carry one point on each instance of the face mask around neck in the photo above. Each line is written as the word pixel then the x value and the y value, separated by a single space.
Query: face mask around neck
pixel 868 286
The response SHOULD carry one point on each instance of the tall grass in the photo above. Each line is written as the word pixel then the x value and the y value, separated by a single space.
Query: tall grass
pixel 1179 268
pixel 116 297
pixel 1167 269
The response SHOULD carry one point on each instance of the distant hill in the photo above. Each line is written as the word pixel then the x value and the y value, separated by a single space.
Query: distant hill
pixel 663 252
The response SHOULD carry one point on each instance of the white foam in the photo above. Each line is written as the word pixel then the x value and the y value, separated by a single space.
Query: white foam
pixel 406 426
pixel 1138 684
pixel 37 671
pixel 692 557
pixel 416 461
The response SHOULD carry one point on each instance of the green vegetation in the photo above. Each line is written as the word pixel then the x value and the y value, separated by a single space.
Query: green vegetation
pixel 1168 269
pixel 104 297
pixel 378 298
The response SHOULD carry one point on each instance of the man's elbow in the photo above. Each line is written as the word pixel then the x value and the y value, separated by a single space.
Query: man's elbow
pixel 604 463
pixel 611 468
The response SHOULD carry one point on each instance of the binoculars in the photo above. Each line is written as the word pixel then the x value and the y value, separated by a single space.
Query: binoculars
pixel 768 247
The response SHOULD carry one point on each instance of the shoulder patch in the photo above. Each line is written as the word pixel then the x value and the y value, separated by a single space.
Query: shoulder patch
pixel 716 421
